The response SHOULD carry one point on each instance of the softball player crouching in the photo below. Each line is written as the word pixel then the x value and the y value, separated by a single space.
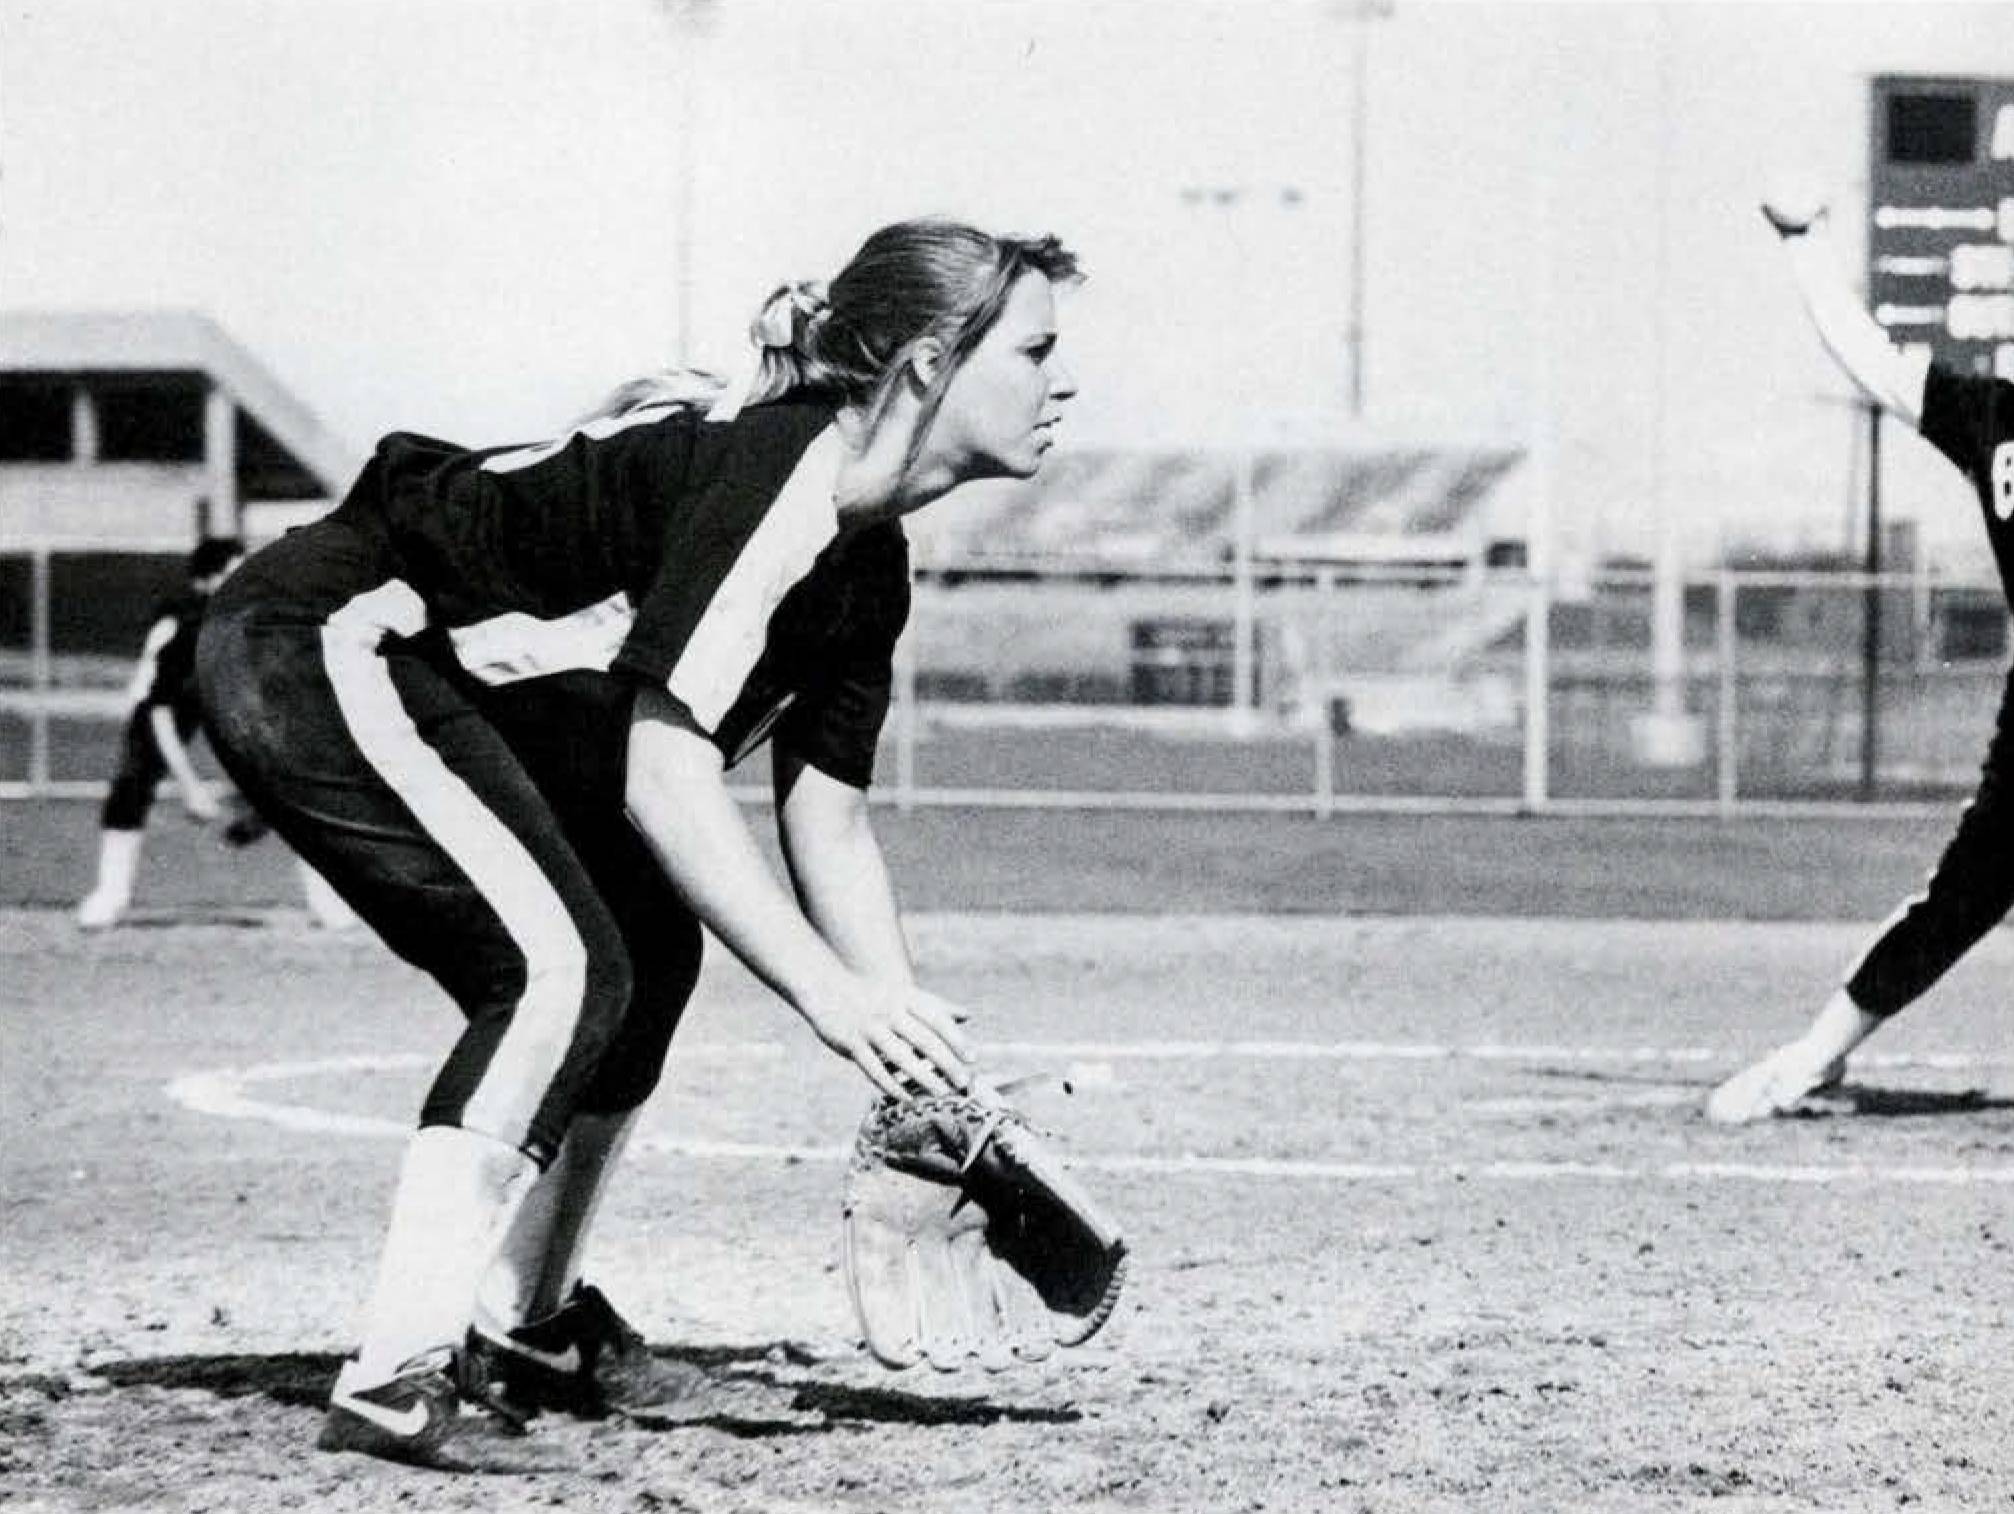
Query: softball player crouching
pixel 492 699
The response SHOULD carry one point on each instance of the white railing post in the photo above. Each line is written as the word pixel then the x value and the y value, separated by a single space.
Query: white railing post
pixel 41 669
pixel 1919 583
pixel 1323 686
pixel 1537 670
pixel 224 514
pixel 1244 619
pixel 1729 724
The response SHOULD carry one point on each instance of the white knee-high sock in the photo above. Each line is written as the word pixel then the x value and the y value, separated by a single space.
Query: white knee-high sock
pixel 1836 1030
pixel 118 867
pixel 539 1261
pixel 457 1194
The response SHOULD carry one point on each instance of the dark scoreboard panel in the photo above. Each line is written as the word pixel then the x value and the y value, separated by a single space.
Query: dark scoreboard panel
pixel 1940 243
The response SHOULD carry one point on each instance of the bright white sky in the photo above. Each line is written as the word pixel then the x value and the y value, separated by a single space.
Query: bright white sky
pixel 462 217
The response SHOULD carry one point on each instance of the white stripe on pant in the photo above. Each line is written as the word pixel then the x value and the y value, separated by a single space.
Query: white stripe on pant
pixel 542 1026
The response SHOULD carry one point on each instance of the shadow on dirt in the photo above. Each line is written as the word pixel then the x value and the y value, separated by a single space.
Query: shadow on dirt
pixel 753 1391
pixel 167 919
pixel 1898 1103
pixel 1847 1099
pixel 298 1379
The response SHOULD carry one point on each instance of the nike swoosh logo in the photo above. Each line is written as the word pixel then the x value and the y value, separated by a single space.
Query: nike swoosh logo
pixel 407 1422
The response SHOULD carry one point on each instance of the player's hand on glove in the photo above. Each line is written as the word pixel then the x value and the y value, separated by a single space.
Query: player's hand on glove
pixel 966 1241
pixel 902 1037
pixel 201 804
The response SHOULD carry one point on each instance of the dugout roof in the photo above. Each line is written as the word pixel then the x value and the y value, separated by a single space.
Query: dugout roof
pixel 284 451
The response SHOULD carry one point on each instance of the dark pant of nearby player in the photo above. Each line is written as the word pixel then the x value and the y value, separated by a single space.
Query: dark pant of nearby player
pixel 1968 894
pixel 130 798
pixel 373 756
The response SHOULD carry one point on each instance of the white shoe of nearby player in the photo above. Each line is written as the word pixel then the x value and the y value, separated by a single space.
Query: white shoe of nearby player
pixel 1775 1085
pixel 101 910
pixel 118 866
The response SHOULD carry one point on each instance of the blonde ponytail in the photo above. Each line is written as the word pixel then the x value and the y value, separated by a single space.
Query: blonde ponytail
pixel 853 338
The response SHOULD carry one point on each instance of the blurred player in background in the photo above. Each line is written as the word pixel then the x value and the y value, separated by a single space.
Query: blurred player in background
pixel 163 717
pixel 1970 419
pixel 494 697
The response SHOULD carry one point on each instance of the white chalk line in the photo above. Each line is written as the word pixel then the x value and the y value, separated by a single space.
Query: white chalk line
pixel 1052 1052
pixel 1428 1051
pixel 222 1093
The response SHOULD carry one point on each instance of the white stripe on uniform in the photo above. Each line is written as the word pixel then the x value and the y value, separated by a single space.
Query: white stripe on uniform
pixel 503 872
pixel 149 666
pixel 724 646
pixel 506 648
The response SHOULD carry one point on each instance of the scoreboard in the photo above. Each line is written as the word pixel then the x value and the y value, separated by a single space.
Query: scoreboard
pixel 1940 241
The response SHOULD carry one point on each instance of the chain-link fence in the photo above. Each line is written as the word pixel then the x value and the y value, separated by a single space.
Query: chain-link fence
pixel 1318 691
pixel 1360 689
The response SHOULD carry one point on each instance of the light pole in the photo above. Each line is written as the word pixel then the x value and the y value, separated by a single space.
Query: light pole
pixel 1361 13
pixel 692 21
pixel 1667 735
pixel 1244 595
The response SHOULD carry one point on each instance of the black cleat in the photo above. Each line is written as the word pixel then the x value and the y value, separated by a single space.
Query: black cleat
pixel 421 1417
pixel 585 1360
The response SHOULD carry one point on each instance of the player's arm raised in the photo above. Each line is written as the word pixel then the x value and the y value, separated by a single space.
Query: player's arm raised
pixel 676 794
pixel 1856 341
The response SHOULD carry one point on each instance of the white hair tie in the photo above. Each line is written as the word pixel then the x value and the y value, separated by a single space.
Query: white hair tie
pixel 775 329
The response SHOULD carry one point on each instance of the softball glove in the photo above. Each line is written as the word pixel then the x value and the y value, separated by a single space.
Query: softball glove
pixel 965 1240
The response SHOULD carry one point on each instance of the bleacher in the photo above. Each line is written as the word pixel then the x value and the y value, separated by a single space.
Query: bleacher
pixel 1175 512
pixel 1370 558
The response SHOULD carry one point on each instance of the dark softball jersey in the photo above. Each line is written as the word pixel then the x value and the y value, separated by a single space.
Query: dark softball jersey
pixel 702 557
pixel 1970 419
pixel 424 694
pixel 164 678
pixel 166 673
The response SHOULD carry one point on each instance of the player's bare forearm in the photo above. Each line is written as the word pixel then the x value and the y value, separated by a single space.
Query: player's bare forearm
pixel 677 798
pixel 838 869
pixel 1856 341
pixel 676 793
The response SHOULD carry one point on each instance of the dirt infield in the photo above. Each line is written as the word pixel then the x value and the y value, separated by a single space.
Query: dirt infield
pixel 1423 1215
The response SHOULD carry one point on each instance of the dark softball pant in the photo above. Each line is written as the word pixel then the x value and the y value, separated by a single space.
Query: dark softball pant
pixel 1969 892
pixel 130 798
pixel 479 831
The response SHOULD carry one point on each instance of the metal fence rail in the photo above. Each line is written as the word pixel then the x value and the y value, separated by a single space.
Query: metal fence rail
pixel 1386 689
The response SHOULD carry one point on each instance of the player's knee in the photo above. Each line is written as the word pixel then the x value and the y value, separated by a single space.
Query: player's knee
pixel 599 971
pixel 620 1087
pixel 1963 905
pixel 611 983
pixel 633 1064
